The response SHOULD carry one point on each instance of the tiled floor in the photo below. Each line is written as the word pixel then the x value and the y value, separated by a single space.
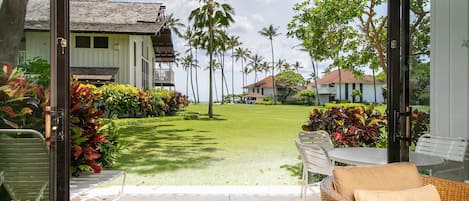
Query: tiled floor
pixel 206 193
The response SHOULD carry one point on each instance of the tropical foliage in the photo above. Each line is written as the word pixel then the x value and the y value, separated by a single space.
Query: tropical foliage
pixel 21 103
pixel 349 127
pixel 88 135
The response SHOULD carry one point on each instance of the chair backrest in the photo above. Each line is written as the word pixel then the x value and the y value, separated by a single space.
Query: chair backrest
pixel 453 149
pixel 319 137
pixel 314 158
pixel 24 159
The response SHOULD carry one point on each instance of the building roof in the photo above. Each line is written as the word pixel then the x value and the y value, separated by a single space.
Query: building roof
pixel 100 16
pixel 265 83
pixel 347 77
pixel 110 17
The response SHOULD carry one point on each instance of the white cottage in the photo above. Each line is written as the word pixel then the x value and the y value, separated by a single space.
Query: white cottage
pixel 109 41
pixel 329 87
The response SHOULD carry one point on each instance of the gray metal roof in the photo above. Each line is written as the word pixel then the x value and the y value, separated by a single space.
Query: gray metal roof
pixel 100 16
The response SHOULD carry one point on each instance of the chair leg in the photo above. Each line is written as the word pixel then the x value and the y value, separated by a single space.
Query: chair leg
pixel 305 185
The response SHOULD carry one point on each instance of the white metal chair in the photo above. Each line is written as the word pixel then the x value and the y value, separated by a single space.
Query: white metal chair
pixel 315 160
pixel 319 137
pixel 452 150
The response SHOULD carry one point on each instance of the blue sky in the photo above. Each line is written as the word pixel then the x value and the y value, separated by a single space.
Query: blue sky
pixel 251 16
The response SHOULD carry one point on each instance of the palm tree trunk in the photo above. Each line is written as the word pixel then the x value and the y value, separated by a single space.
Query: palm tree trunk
pixel 196 75
pixel 274 87
pixel 187 82
pixel 192 83
pixel 210 97
pixel 215 85
pixel 232 75
pixel 222 66
pixel 243 74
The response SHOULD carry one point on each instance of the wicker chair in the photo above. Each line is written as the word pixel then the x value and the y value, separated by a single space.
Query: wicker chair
pixel 448 190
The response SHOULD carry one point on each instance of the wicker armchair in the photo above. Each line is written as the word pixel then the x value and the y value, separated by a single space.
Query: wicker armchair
pixel 448 190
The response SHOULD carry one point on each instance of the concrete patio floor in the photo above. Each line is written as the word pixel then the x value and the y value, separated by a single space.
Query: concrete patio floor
pixel 205 193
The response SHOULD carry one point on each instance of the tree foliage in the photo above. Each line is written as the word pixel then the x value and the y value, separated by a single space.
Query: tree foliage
pixel 320 23
pixel 289 80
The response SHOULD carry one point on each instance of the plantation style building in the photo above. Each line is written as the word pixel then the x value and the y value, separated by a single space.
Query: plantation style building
pixel 109 41
pixel 329 88
pixel 264 88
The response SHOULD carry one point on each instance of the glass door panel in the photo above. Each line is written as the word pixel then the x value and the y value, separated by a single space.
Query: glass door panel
pixel 26 122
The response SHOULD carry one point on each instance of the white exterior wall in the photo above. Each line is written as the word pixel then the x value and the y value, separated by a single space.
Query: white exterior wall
pixel 37 45
pixel 118 54
pixel 267 91
pixel 143 43
pixel 368 92
pixel 449 68
pixel 113 56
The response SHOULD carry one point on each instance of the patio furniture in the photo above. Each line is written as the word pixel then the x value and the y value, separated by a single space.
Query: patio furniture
pixel 452 150
pixel 378 156
pixel 24 160
pixel 315 160
pixel 320 137
pixel 448 190
pixel 81 185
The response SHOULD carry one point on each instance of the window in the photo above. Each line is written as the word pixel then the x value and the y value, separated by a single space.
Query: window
pixel 82 42
pixel 101 42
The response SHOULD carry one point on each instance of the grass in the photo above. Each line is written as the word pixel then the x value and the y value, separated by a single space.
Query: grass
pixel 242 145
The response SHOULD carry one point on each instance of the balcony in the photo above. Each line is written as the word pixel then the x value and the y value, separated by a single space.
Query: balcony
pixel 163 77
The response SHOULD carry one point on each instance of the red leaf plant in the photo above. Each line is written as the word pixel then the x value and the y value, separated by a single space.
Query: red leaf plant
pixel 86 138
pixel 349 127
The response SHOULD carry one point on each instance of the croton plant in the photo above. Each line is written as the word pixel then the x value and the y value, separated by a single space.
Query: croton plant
pixel 349 127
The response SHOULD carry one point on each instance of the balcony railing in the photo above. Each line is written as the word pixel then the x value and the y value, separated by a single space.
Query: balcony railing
pixel 164 77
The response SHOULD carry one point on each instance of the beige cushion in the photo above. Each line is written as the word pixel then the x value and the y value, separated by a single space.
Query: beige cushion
pixel 395 176
pixel 426 193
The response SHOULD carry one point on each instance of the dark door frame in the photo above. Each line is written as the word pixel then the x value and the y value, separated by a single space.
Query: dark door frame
pixel 60 37
pixel 398 51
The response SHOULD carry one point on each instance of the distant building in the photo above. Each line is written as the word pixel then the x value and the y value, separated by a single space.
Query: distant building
pixel 109 41
pixel 265 88
pixel 328 87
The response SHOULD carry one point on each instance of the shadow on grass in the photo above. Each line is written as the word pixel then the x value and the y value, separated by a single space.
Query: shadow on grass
pixel 216 117
pixel 151 149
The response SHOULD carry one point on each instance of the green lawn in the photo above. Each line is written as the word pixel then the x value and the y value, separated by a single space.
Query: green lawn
pixel 243 145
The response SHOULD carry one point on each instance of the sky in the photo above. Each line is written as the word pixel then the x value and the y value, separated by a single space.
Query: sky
pixel 250 17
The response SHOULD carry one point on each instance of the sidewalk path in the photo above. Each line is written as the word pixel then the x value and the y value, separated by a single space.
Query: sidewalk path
pixel 206 193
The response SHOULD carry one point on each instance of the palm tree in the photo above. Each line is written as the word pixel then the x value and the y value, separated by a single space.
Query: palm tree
pixel 188 64
pixel 255 64
pixel 173 24
pixel 232 43
pixel 282 65
pixel 209 17
pixel 242 54
pixel 270 32
pixel 264 67
pixel 297 66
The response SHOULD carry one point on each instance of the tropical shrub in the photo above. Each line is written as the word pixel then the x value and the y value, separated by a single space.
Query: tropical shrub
pixel 343 105
pixel 21 103
pixel 308 96
pixel 109 149
pixel 349 127
pixel 120 100
pixel 94 142
pixel 37 71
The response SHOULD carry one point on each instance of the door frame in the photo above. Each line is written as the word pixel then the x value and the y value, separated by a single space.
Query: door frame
pixel 60 97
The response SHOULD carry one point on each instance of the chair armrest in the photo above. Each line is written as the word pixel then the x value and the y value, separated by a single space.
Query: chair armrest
pixel 328 192
pixel 449 190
